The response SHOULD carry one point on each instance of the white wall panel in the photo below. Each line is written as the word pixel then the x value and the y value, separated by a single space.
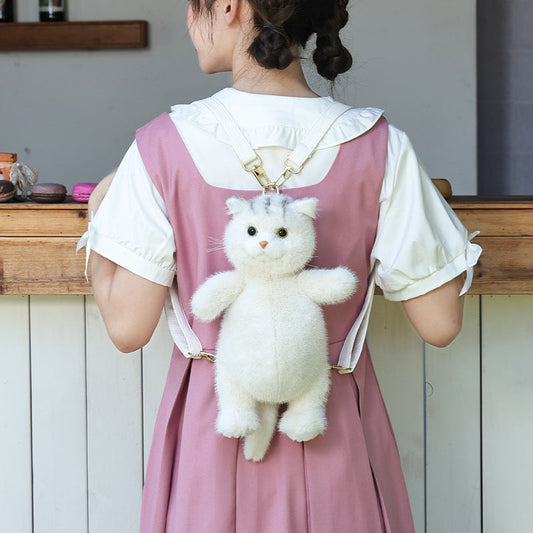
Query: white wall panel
pixel 397 353
pixel 58 413
pixel 114 413
pixel 45 339
pixel 15 416
pixel 507 365
pixel 453 444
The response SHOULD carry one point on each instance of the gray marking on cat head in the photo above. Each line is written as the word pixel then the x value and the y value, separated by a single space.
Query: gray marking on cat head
pixel 284 202
pixel 268 201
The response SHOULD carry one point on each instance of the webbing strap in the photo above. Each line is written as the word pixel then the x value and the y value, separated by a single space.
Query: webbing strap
pixel 299 156
pixel 180 329
pixel 314 135
pixel 244 151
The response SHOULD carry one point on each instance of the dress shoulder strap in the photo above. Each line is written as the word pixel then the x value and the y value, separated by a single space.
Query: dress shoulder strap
pixel 161 149
pixel 153 141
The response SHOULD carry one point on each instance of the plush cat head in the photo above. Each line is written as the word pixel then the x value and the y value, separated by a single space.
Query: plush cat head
pixel 270 235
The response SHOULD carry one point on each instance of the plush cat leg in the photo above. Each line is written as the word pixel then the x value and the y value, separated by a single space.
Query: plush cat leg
pixel 305 418
pixel 256 444
pixel 237 409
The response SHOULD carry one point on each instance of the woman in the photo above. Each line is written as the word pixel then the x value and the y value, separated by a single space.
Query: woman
pixel 379 214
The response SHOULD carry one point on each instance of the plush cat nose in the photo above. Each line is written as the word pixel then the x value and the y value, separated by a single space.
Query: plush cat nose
pixel 263 244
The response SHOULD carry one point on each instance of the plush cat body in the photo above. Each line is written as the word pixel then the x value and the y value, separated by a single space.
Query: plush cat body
pixel 272 346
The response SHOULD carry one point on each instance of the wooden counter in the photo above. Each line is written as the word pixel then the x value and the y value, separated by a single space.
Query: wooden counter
pixel 38 242
pixel 38 248
pixel 506 236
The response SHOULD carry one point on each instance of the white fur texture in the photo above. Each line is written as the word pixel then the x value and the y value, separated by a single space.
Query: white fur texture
pixel 272 347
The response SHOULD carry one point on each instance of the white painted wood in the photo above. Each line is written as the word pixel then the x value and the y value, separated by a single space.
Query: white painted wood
pixel 116 406
pixel 453 447
pixel 15 416
pixel 397 353
pixel 58 413
pixel 156 360
pixel 507 370
pixel 114 414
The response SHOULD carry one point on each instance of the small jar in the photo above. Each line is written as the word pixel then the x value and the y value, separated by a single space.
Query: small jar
pixel 52 10
pixel 7 11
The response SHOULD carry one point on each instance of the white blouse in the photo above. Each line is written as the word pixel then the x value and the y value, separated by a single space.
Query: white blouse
pixel 420 242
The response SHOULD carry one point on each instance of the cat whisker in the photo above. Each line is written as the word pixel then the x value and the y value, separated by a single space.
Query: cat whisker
pixel 215 249
pixel 216 244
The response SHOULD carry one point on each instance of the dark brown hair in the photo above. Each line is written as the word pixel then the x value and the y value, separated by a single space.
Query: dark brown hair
pixel 280 24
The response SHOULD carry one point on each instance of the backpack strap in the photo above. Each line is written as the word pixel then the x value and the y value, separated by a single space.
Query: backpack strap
pixel 355 340
pixel 314 135
pixel 181 331
pixel 294 163
pixel 238 141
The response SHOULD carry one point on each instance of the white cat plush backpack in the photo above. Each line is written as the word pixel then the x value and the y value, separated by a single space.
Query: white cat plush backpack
pixel 272 347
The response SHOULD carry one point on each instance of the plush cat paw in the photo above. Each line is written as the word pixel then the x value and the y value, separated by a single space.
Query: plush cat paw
pixel 204 305
pixel 345 283
pixel 235 423
pixel 302 425
pixel 216 294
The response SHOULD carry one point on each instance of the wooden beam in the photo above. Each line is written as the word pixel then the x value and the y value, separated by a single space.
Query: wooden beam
pixel 38 241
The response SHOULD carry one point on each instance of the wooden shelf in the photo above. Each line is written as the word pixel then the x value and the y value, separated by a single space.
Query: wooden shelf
pixel 73 35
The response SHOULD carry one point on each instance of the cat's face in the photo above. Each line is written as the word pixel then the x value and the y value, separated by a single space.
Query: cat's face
pixel 270 235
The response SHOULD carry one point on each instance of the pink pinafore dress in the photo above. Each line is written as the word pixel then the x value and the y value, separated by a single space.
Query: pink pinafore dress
pixel 347 480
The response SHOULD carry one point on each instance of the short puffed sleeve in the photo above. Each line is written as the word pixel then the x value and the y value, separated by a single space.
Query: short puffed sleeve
pixel 420 242
pixel 131 226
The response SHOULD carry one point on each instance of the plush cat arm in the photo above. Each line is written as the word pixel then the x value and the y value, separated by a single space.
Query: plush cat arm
pixel 327 286
pixel 216 294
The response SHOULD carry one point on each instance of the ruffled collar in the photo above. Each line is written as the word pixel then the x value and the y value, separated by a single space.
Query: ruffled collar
pixel 271 120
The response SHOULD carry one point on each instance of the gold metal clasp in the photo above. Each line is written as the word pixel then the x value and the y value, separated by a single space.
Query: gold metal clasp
pixel 256 169
pixel 341 369
pixel 203 355
pixel 271 187
pixel 288 171
pixel 292 170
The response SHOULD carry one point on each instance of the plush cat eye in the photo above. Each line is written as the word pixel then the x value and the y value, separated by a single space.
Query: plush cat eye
pixel 282 232
pixel 252 231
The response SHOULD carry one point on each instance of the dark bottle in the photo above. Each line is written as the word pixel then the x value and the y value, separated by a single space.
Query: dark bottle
pixel 52 10
pixel 6 11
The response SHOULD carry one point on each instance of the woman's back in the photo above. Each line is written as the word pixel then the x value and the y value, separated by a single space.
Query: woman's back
pixel 162 220
pixel 307 485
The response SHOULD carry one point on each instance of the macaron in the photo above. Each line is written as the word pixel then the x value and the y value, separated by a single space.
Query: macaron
pixel 7 191
pixel 82 191
pixel 48 193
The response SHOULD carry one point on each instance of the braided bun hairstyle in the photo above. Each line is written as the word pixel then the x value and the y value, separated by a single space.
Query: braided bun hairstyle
pixel 330 56
pixel 281 24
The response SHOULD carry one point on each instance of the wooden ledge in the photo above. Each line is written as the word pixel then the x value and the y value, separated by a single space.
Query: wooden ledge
pixel 38 242
pixel 505 226
pixel 92 35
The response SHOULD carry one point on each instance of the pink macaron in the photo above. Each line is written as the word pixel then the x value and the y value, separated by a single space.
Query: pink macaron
pixel 82 191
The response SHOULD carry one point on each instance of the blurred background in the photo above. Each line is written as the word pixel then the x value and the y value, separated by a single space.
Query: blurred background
pixel 72 114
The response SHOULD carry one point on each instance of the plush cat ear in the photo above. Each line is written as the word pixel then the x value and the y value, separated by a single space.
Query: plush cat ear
pixel 306 206
pixel 236 205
